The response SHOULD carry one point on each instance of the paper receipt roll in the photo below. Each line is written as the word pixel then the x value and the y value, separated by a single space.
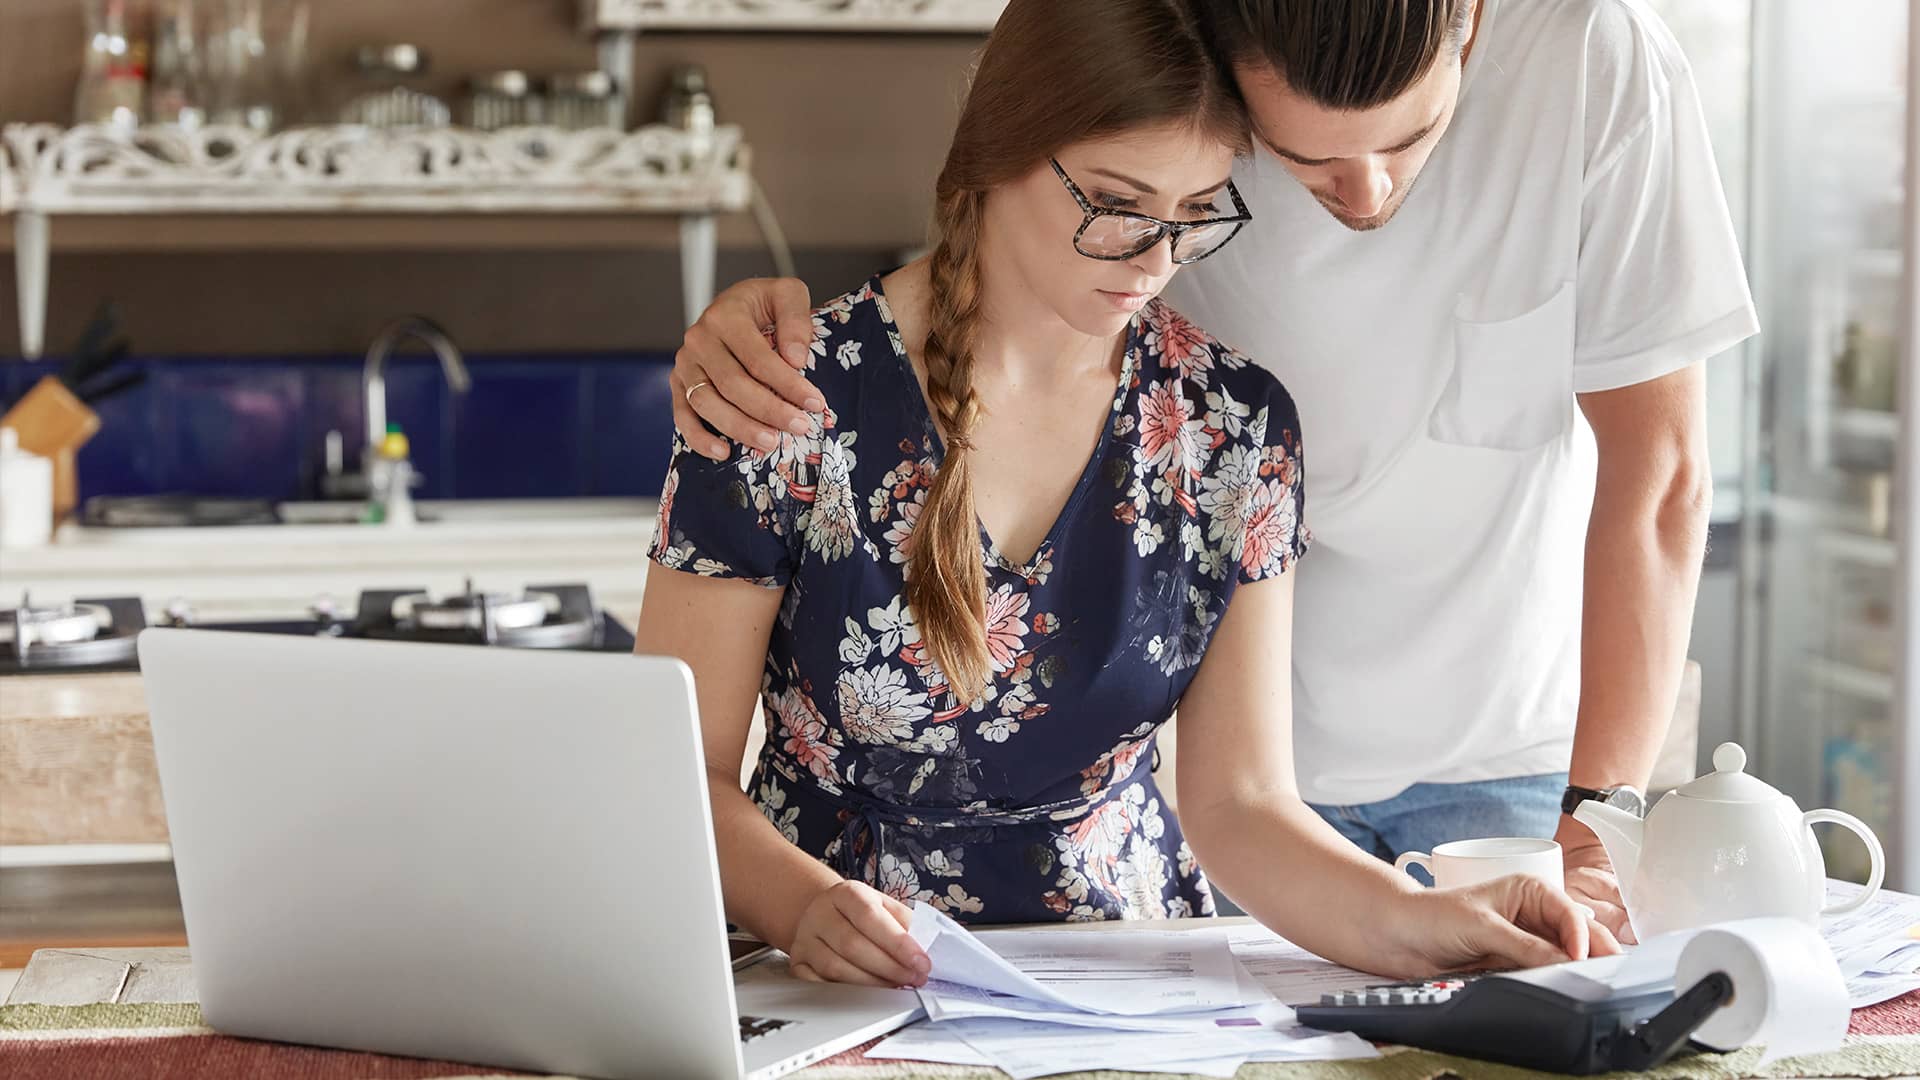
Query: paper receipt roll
pixel 1787 989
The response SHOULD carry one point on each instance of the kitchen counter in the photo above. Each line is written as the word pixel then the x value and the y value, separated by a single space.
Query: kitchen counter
pixel 78 781
pixel 240 572
pixel 76 762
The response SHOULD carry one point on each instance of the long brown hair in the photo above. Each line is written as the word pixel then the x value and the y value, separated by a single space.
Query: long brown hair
pixel 1054 72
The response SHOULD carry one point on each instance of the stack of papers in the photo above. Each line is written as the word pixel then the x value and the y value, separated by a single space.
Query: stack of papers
pixel 1163 1001
pixel 1878 946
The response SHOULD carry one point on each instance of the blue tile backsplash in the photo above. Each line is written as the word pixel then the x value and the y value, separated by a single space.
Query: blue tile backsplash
pixel 533 426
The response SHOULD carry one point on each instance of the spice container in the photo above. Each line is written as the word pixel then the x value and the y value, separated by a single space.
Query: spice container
pixel 387 93
pixel 502 99
pixel 581 100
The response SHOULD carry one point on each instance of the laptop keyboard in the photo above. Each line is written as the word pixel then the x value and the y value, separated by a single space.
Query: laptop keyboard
pixel 752 1027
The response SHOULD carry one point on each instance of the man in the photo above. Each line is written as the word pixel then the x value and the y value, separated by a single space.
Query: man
pixel 1501 386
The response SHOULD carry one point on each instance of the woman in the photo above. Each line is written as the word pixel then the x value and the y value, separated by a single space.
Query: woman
pixel 1037 509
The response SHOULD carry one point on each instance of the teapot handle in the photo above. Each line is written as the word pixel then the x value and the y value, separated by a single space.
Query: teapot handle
pixel 1879 856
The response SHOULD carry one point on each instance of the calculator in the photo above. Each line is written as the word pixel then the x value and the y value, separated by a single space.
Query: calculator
pixel 1520 1019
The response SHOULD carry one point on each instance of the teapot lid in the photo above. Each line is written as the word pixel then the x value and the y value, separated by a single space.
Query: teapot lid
pixel 1729 780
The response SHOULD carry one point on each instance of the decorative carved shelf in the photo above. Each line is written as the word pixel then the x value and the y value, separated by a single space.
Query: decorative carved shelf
pixel 48 171
pixel 896 16
pixel 167 170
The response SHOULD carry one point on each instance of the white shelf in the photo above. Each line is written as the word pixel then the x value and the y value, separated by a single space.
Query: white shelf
pixel 1869 424
pixel 352 170
pixel 47 171
pixel 1879 262
pixel 1857 548
pixel 1825 517
pixel 895 16
pixel 1848 679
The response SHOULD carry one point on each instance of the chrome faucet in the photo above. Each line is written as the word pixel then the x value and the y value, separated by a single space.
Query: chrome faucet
pixel 337 483
pixel 373 380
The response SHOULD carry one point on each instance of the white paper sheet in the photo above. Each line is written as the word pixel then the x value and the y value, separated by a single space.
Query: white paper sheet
pixel 1038 1002
pixel 947 1001
pixel 1290 973
pixel 1872 988
pixel 1312 1044
pixel 1134 973
pixel 942 1043
pixel 926 1041
pixel 1025 1049
pixel 1861 937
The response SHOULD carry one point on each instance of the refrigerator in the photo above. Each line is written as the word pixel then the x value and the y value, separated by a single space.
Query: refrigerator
pixel 1828 702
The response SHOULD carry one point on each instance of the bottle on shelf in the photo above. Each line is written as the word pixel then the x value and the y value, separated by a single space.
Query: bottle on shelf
pixel 177 85
pixel 113 76
pixel 689 107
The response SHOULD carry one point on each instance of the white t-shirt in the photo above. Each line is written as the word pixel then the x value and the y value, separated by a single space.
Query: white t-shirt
pixel 1568 235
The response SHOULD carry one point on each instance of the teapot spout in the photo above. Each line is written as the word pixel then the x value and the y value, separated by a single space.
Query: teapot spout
pixel 1619 832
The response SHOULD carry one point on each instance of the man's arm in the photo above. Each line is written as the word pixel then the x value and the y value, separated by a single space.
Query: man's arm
pixel 1645 544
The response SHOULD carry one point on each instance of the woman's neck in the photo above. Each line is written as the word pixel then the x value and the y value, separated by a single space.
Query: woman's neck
pixel 1019 340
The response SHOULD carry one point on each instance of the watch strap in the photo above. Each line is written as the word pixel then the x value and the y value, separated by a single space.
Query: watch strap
pixel 1575 795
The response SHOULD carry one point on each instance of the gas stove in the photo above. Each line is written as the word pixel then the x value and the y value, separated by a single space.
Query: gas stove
pixel 98 635
pixel 86 635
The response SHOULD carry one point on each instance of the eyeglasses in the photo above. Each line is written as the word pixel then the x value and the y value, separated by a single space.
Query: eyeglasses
pixel 1112 235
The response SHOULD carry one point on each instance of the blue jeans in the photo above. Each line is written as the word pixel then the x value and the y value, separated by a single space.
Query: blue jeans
pixel 1429 814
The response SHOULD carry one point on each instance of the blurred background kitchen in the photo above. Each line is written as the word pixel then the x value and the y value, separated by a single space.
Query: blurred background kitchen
pixel 355 316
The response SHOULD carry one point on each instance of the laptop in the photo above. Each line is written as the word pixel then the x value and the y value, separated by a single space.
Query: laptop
pixel 495 856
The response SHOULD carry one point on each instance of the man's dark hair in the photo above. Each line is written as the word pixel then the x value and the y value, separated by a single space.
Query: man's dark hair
pixel 1343 54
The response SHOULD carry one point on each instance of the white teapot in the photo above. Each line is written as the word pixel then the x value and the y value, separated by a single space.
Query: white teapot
pixel 1724 846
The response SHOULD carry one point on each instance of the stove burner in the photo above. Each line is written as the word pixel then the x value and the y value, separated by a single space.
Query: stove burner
pixel 476 610
pixel 53 625
pixel 85 633
pixel 100 635
pixel 543 617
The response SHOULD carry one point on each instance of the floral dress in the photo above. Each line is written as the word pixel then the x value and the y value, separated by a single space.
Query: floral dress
pixel 1037 801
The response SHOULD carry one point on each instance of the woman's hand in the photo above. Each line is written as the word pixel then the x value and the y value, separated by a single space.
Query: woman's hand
pixel 1512 922
pixel 853 933
pixel 741 386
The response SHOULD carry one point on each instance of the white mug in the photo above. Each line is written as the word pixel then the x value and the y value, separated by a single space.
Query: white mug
pixel 1470 862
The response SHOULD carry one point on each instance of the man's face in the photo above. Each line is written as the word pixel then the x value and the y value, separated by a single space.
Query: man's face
pixel 1359 164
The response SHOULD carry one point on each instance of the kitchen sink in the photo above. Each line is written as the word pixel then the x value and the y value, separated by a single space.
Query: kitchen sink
pixel 340 513
pixel 475 511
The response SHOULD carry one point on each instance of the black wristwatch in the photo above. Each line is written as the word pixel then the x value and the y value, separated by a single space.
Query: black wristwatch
pixel 1625 797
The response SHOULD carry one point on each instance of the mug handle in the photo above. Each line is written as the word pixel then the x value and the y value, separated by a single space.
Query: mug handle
pixel 1874 850
pixel 1425 862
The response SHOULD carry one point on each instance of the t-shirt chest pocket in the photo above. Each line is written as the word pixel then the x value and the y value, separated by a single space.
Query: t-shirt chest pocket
pixel 1512 381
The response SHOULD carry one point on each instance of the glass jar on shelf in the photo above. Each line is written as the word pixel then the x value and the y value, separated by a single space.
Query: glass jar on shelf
pixel 177 84
pixel 582 100
pixel 387 90
pixel 502 99
pixel 113 75
pixel 239 64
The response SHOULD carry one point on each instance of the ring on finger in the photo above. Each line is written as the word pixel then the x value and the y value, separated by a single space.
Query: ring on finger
pixel 696 386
